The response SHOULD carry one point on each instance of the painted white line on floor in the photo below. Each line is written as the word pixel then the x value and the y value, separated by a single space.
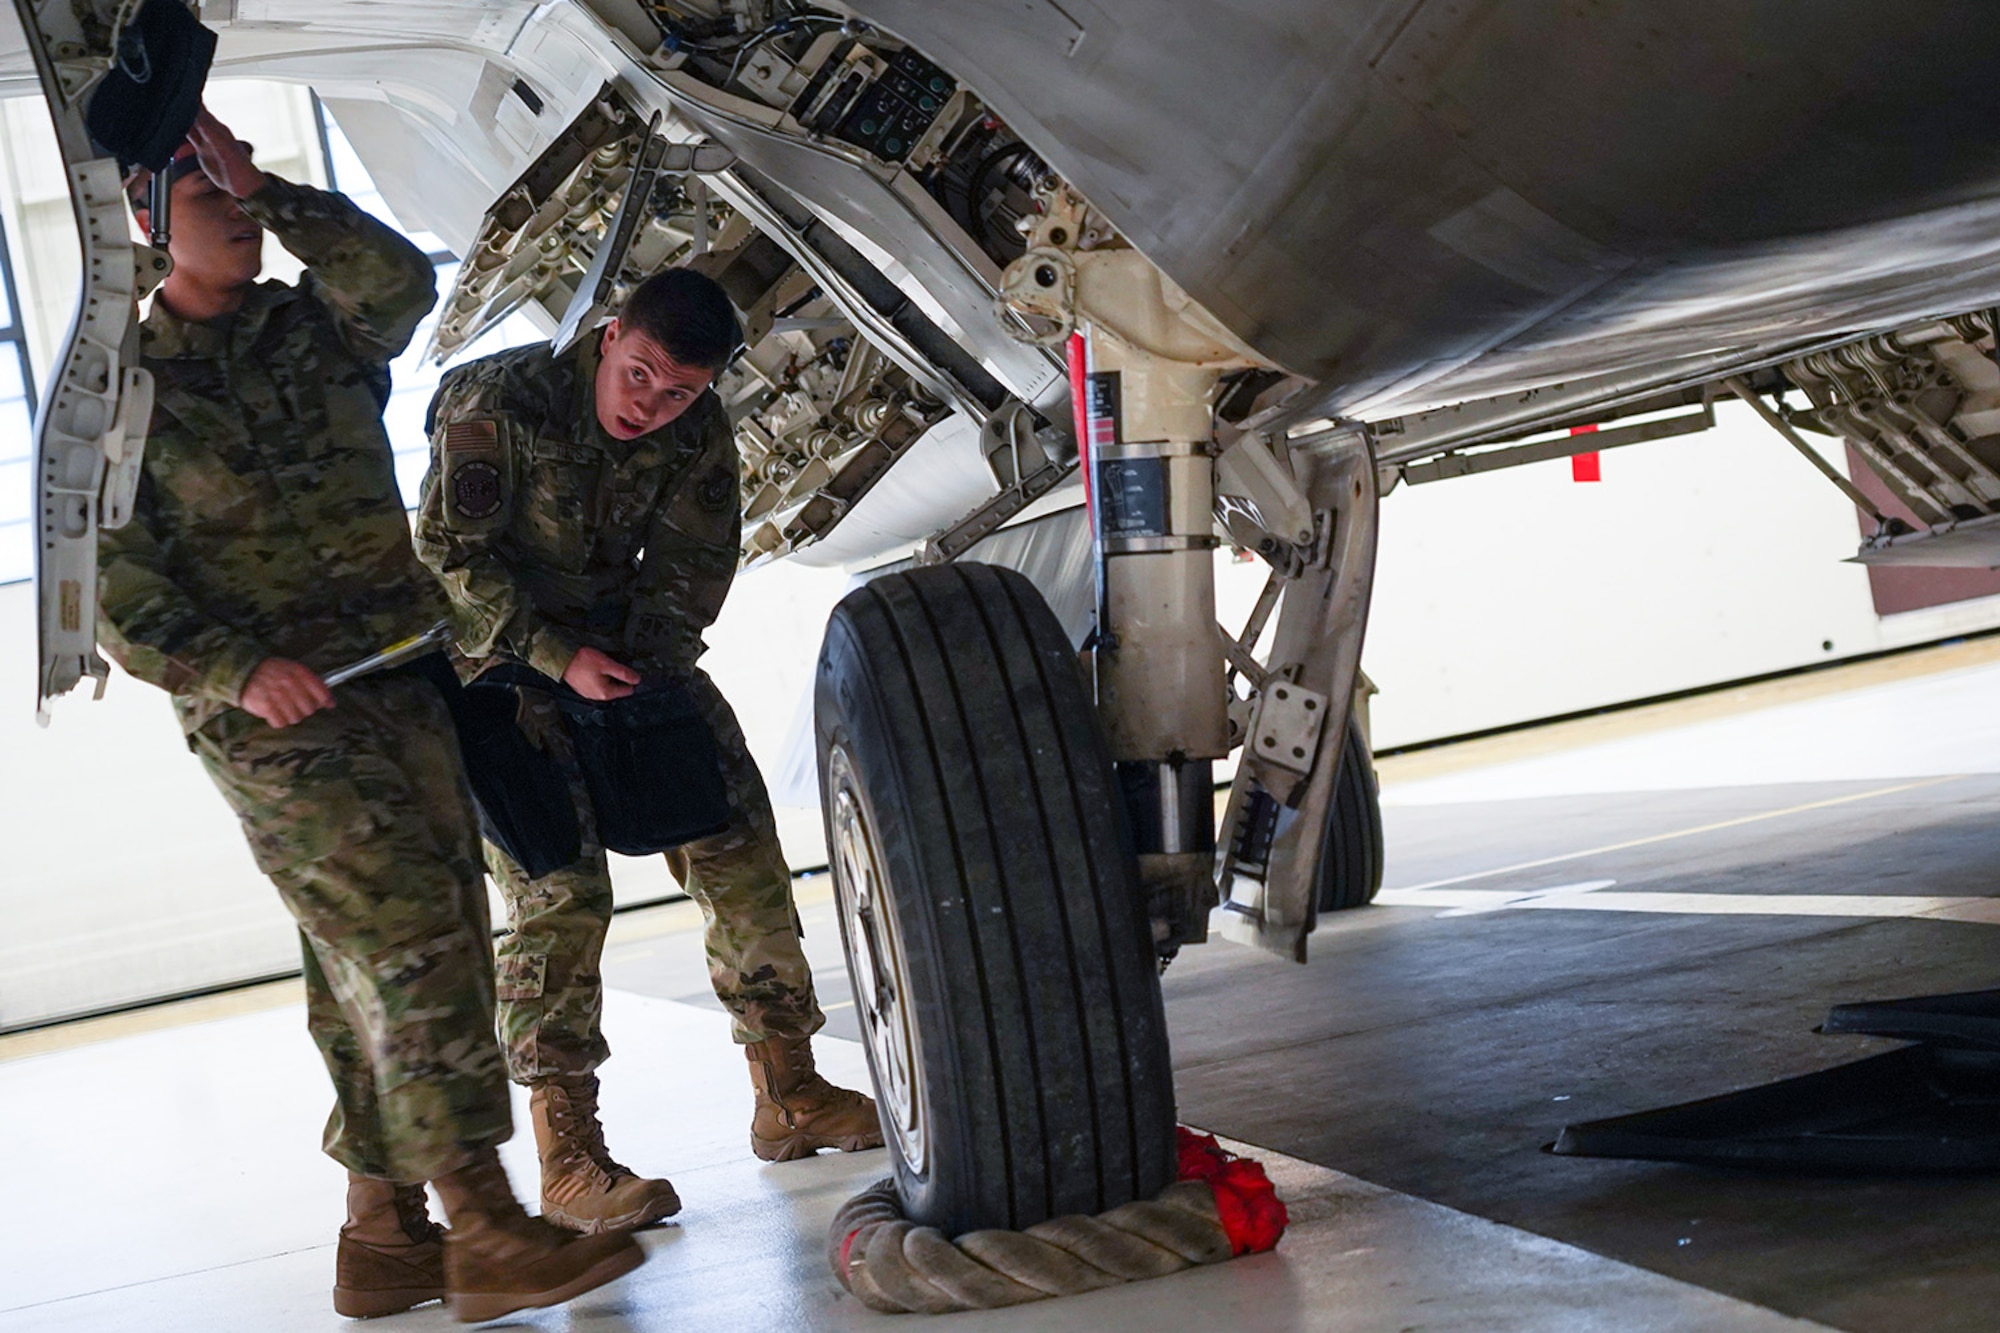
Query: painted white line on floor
pixel 1539 897
pixel 1583 898
pixel 1679 833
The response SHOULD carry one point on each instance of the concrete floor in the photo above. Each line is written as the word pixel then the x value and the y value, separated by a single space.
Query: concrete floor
pixel 163 1181
pixel 1565 945
pixel 1555 949
pixel 1435 1051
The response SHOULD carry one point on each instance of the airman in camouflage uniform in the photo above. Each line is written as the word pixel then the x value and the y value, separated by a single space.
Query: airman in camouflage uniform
pixel 268 546
pixel 583 513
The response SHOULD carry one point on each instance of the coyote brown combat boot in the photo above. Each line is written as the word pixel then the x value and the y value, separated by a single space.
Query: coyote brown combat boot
pixel 798 1112
pixel 498 1260
pixel 582 1188
pixel 391 1255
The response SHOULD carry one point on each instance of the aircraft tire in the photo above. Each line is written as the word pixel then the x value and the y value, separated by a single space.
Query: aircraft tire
pixel 996 937
pixel 1350 862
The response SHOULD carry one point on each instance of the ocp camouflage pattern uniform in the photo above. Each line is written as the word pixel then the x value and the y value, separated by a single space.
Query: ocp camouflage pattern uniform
pixel 268 524
pixel 550 536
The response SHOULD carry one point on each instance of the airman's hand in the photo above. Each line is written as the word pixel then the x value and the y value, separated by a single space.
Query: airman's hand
pixel 222 157
pixel 599 676
pixel 282 692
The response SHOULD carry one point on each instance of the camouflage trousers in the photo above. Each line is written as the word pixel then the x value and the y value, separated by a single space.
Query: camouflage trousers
pixel 360 816
pixel 551 992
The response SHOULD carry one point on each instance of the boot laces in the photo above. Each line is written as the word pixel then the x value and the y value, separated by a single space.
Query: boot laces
pixel 413 1214
pixel 806 1089
pixel 573 1115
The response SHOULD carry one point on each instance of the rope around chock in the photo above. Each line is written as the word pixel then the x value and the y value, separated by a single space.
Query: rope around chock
pixel 1221 1206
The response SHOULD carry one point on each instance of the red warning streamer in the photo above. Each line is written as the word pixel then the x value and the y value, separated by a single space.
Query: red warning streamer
pixel 1584 467
pixel 1079 400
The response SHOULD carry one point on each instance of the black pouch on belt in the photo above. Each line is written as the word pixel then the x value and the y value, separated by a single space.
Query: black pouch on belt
pixel 524 803
pixel 648 760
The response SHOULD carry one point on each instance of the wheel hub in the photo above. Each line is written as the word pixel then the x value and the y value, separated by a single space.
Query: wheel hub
pixel 880 971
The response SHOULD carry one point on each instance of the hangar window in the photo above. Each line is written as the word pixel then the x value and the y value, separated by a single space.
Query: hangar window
pixel 17 436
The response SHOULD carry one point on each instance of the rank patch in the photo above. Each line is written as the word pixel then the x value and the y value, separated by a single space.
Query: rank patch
pixel 715 489
pixel 475 489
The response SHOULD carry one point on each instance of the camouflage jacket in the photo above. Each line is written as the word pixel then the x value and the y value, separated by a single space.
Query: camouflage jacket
pixel 267 520
pixel 550 535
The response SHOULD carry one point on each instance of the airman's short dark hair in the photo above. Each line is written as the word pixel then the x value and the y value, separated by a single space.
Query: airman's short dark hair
pixel 688 315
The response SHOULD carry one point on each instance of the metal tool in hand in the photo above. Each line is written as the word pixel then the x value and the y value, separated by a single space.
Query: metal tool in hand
pixel 394 655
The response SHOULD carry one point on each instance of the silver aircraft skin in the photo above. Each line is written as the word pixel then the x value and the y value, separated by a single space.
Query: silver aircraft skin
pixel 1407 204
pixel 1406 234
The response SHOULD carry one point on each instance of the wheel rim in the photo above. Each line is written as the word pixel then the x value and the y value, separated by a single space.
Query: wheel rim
pixel 880 969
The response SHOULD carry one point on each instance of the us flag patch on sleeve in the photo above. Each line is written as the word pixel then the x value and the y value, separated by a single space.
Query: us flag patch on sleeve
pixel 477 436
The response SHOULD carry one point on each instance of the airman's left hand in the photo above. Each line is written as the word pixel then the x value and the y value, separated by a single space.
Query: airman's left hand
pixel 600 676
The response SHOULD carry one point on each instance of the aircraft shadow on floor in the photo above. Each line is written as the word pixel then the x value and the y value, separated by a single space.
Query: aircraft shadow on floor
pixel 1932 1107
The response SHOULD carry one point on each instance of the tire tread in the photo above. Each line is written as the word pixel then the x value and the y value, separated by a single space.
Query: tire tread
pixel 1351 858
pixel 1059 1078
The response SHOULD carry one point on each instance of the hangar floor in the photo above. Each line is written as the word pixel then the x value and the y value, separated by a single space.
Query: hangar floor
pixel 1581 921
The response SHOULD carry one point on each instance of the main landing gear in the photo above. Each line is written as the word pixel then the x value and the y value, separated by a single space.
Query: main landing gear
pixel 1022 836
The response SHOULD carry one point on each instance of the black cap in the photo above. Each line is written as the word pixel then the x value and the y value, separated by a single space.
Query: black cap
pixel 145 106
pixel 138 181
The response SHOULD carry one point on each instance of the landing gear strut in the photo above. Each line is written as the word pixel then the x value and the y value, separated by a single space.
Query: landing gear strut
pixel 1163 473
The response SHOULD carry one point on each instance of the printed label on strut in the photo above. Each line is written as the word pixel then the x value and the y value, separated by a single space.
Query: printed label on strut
pixel 1101 408
pixel 1132 497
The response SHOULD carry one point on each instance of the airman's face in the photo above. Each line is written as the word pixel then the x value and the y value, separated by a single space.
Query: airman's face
pixel 214 242
pixel 639 387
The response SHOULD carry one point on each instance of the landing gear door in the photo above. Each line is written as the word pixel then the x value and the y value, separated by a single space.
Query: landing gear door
pixel 91 428
pixel 1274 831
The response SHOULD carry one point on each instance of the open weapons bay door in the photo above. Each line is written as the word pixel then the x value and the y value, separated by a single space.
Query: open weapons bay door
pixel 91 428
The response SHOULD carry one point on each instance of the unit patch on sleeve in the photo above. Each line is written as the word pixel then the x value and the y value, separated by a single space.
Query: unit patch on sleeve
pixel 475 488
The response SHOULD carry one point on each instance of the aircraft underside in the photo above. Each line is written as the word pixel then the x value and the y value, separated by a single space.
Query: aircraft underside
pixel 1235 274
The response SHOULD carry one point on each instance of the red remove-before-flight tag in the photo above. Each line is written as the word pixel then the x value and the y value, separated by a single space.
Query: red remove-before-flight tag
pixel 1584 467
